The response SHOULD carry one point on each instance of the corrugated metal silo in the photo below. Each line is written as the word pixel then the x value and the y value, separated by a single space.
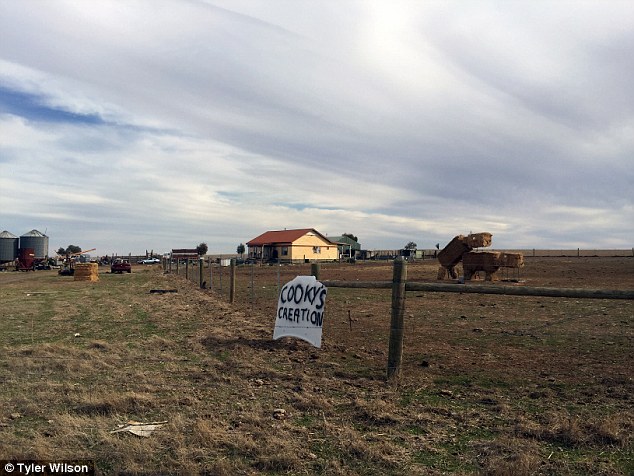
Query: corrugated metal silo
pixel 8 246
pixel 36 240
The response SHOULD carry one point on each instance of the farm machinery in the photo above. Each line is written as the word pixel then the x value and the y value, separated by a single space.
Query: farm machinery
pixel 68 262
pixel 25 260
pixel 463 249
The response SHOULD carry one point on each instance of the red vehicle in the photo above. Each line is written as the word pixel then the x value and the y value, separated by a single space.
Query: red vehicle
pixel 120 266
pixel 25 260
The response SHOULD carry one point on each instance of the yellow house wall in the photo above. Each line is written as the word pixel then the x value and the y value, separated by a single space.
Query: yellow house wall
pixel 302 248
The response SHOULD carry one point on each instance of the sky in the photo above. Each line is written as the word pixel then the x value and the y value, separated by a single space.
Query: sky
pixel 134 125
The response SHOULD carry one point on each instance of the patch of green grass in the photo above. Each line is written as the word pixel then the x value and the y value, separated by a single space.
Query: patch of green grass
pixel 222 355
pixel 428 397
pixel 454 381
pixel 305 420
pixel 443 459
pixel 354 372
pixel 417 430
pixel 491 382
pixel 455 454
pixel 624 459
pixel 528 405
pixel 473 380
pixel 588 460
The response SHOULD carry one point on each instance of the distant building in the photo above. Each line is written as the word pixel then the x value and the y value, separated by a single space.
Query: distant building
pixel 348 248
pixel 292 246
pixel 412 254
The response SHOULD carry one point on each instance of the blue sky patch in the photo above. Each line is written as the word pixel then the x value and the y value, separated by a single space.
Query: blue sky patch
pixel 304 206
pixel 33 108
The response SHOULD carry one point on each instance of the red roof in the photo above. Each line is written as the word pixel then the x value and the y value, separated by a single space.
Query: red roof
pixel 282 237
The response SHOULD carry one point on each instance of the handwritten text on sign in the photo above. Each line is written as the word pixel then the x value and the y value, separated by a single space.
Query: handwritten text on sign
pixel 300 310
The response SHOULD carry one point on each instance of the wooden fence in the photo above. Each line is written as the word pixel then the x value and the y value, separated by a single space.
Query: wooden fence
pixel 400 286
pixel 202 271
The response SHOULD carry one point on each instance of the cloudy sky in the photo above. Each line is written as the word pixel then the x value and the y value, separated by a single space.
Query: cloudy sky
pixel 128 125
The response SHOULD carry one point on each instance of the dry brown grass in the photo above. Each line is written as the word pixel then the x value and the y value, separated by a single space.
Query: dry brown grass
pixel 572 431
pixel 510 457
pixel 543 387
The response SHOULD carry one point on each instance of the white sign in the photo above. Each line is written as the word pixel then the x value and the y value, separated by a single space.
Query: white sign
pixel 300 310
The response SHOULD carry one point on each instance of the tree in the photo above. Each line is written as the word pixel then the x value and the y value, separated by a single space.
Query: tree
pixel 411 246
pixel 73 249
pixel 351 236
pixel 61 251
pixel 201 249
pixel 240 249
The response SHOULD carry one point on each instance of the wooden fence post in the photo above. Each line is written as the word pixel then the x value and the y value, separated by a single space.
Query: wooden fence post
pixel 315 269
pixel 178 262
pixel 201 264
pixel 187 268
pixel 395 351
pixel 232 281
pixel 211 276
pixel 252 286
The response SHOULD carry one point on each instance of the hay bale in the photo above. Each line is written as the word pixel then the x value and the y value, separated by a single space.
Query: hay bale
pixel 482 260
pixel 451 254
pixel 478 240
pixel 487 261
pixel 86 272
pixel 512 260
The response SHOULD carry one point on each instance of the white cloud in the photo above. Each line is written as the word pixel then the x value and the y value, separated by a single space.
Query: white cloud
pixel 216 120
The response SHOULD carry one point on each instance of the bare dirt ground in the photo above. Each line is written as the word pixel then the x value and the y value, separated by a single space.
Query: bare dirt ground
pixel 489 384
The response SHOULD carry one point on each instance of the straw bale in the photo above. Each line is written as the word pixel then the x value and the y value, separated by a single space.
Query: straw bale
pixel 478 240
pixel 512 260
pixel 482 260
pixel 92 278
pixel 86 272
pixel 451 254
pixel 87 267
pixel 487 261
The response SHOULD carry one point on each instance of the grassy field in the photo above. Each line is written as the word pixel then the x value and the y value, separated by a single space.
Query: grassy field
pixel 490 384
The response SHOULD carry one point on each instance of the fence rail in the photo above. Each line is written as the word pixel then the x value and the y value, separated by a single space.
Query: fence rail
pixel 489 289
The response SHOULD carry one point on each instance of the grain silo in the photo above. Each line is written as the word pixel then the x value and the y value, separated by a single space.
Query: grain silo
pixel 8 247
pixel 36 240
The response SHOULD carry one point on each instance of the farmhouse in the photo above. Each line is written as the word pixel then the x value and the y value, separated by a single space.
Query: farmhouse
pixel 348 247
pixel 292 246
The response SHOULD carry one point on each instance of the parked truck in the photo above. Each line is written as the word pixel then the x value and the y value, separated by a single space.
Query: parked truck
pixel 120 266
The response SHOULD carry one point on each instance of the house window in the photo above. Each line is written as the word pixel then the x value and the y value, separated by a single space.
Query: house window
pixel 316 250
pixel 284 250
